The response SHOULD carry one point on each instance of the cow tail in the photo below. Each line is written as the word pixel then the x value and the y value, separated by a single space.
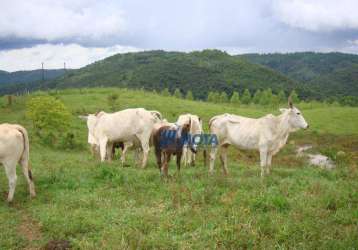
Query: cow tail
pixel 25 157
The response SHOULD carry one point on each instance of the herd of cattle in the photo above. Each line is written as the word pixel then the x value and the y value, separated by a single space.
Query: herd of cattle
pixel 139 129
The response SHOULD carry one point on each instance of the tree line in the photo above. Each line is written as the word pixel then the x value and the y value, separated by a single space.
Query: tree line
pixel 261 97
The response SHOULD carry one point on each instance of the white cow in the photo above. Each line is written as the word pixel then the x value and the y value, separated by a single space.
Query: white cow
pixel 267 134
pixel 14 149
pixel 127 126
pixel 196 128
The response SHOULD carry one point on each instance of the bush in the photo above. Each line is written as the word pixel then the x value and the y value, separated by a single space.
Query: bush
pixel 235 98
pixel 49 116
pixel 246 97
pixel 177 94
pixel 189 95
pixel 165 92
pixel 112 101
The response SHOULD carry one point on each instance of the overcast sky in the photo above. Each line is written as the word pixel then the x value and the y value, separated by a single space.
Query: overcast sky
pixel 83 31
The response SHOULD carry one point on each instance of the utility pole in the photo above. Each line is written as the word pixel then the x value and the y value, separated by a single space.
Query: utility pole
pixel 43 72
pixel 64 66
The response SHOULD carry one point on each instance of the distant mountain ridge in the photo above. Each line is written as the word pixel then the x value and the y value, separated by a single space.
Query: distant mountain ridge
pixel 312 75
pixel 327 74
pixel 29 75
pixel 200 72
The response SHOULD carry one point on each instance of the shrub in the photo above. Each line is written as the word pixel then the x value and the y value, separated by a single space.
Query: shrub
pixel 49 116
pixel 112 101
pixel 223 97
pixel 189 95
pixel 165 92
pixel 246 97
pixel 177 94
pixel 235 98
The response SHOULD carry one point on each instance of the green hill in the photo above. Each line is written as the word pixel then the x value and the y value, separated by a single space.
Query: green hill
pixel 201 72
pixel 312 75
pixel 326 74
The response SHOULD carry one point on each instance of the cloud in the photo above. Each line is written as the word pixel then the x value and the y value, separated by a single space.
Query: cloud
pixel 54 56
pixel 317 15
pixel 353 42
pixel 237 26
pixel 56 20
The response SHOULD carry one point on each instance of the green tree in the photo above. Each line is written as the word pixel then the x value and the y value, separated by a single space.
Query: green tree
pixel 266 97
pixel 177 93
pixel 294 97
pixel 282 96
pixel 275 101
pixel 165 92
pixel 210 97
pixel 246 97
pixel 49 116
pixel 112 101
pixel 189 95
pixel 235 98
pixel 223 97
pixel 257 97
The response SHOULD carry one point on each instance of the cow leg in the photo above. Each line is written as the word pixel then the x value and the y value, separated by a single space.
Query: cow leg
pixel 137 156
pixel 192 158
pixel 165 164
pixel 185 155
pixel 213 152
pixel 28 175
pixel 10 169
pixel 127 145
pixel 268 163
pixel 263 160
pixel 103 148
pixel 158 155
pixel 109 151
pixel 223 158
pixel 94 150
pixel 179 155
pixel 145 148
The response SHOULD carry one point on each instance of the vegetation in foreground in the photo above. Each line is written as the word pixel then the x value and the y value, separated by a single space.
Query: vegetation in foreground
pixel 108 206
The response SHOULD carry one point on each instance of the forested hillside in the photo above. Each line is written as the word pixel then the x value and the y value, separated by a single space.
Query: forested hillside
pixel 330 76
pixel 200 72
pixel 326 74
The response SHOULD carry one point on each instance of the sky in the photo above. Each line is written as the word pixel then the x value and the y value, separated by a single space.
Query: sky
pixel 80 32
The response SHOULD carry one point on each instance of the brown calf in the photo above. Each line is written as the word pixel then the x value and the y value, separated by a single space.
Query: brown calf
pixel 170 141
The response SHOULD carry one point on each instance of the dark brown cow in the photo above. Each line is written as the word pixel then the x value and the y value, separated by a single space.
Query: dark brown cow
pixel 170 141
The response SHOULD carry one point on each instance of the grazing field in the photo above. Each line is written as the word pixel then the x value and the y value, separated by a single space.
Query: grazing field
pixel 96 205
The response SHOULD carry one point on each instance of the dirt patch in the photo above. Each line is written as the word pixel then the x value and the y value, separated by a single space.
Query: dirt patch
pixel 30 229
pixel 57 245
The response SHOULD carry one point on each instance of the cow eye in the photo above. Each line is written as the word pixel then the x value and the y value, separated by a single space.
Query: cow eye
pixel 298 113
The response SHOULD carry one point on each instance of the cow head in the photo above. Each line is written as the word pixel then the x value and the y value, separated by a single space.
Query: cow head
pixel 91 123
pixel 156 115
pixel 186 134
pixel 295 117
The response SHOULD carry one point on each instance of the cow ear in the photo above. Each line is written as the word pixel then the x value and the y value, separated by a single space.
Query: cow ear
pixel 290 105
pixel 83 117
pixel 283 110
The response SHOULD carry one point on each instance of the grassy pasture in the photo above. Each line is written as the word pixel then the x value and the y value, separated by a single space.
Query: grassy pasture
pixel 107 206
